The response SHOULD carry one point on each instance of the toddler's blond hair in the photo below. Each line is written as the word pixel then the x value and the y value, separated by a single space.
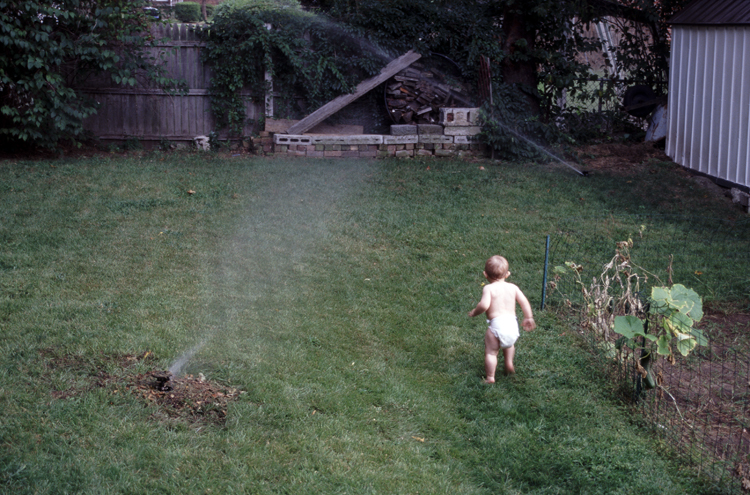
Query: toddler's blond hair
pixel 496 268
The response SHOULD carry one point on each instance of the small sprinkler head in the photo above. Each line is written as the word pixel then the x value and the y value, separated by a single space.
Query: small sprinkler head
pixel 163 380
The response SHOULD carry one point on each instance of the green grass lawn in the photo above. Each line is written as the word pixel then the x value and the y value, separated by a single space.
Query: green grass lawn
pixel 334 295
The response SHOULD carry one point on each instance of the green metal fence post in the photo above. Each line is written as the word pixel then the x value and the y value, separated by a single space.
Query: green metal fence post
pixel 544 280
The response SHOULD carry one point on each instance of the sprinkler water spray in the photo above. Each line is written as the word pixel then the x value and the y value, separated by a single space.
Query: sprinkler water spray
pixel 582 173
pixel 175 369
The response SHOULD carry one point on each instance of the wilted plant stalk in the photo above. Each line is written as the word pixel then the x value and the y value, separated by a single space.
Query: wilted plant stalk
pixel 652 325
pixel 615 292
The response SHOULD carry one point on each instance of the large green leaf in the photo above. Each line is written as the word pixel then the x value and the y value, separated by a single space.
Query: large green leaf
pixel 628 326
pixel 678 298
pixel 685 344
pixel 678 323
pixel 659 303
pixel 659 293
pixel 663 346
pixel 686 301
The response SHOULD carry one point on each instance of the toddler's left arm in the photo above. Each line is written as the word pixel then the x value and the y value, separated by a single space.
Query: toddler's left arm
pixel 528 323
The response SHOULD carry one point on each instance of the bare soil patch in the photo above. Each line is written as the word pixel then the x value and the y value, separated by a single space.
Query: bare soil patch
pixel 728 324
pixel 656 172
pixel 190 398
pixel 621 158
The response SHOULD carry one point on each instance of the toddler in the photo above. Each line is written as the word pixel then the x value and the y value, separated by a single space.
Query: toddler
pixel 499 300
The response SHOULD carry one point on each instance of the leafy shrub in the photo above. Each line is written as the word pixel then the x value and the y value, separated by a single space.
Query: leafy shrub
pixel 307 55
pixel 512 131
pixel 188 12
pixel 50 48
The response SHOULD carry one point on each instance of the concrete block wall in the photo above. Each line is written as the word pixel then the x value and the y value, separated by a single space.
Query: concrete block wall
pixel 264 143
pixel 455 136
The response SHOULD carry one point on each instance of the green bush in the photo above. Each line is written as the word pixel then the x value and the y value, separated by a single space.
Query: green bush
pixel 306 54
pixel 51 48
pixel 188 12
pixel 261 5
pixel 509 127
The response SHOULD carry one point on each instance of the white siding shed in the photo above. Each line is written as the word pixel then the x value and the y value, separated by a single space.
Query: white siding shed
pixel 709 90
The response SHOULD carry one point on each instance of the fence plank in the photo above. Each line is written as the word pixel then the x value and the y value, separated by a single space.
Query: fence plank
pixel 151 114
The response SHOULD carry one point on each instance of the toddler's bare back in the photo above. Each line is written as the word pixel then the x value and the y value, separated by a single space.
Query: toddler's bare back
pixel 503 298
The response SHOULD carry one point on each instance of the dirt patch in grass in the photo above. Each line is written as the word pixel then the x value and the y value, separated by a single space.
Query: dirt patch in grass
pixel 621 158
pixel 188 397
pixel 194 399
pixel 86 372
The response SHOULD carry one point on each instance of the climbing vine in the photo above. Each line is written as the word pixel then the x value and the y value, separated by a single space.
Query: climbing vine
pixel 649 326
pixel 310 59
pixel 325 49
pixel 50 48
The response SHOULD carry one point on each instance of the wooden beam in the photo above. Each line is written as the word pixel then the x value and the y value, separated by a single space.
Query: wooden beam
pixel 340 102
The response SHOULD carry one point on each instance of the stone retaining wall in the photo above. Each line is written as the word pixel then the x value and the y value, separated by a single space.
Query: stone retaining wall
pixel 455 136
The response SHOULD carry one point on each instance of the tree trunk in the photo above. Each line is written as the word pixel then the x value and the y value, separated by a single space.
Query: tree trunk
pixel 518 68
pixel 203 10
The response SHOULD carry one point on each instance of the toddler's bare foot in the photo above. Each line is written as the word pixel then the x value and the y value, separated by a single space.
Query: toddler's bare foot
pixel 489 380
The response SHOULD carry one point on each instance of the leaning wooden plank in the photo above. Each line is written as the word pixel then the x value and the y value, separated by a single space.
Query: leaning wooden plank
pixel 340 102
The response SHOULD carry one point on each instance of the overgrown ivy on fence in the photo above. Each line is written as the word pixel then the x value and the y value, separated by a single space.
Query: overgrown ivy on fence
pixel 310 60
pixel 50 48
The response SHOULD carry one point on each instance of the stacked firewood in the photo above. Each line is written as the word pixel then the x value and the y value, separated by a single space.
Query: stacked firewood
pixel 415 95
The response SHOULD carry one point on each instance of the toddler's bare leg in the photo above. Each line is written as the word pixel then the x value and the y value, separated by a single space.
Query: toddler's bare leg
pixel 491 349
pixel 508 355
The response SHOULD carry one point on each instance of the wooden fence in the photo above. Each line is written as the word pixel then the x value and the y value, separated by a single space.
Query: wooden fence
pixel 152 115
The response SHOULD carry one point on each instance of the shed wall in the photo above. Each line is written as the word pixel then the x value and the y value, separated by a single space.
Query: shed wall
pixel 709 101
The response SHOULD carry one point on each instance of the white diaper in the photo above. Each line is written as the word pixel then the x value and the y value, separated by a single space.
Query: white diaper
pixel 505 329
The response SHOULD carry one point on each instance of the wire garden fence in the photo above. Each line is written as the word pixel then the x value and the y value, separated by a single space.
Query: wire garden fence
pixel 708 254
pixel 701 405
